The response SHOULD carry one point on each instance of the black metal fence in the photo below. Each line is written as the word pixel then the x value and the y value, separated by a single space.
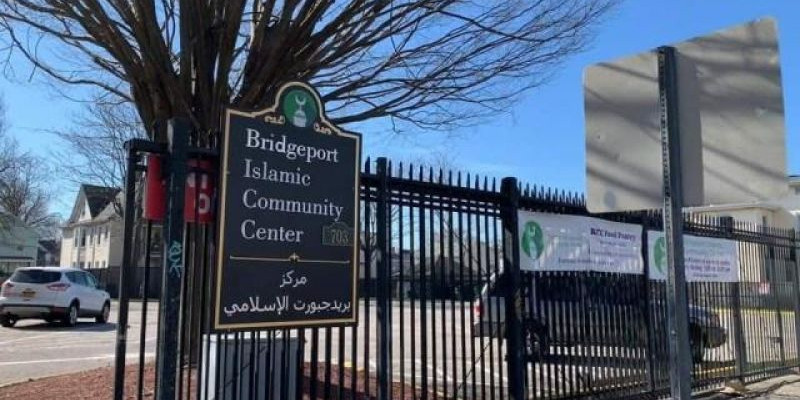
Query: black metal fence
pixel 432 314
pixel 109 278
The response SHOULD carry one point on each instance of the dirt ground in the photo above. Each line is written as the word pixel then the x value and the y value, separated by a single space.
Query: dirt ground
pixel 98 384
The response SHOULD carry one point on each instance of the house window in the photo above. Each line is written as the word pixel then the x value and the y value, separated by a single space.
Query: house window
pixel 83 238
pixel 100 234
pixel 75 233
pixel 104 264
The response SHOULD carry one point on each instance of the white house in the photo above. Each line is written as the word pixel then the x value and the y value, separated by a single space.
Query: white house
pixel 92 237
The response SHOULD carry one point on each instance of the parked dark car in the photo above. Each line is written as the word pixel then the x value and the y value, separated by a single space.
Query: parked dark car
pixel 565 309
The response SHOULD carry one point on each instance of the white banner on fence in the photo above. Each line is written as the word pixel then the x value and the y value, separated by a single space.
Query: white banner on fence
pixel 706 259
pixel 553 242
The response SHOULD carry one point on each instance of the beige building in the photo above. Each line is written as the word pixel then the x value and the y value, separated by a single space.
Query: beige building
pixel 780 213
pixel 761 214
pixel 92 237
pixel 791 202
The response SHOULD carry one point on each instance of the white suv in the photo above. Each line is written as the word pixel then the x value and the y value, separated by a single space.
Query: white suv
pixel 53 294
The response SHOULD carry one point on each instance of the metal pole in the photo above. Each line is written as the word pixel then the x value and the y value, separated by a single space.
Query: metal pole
pixel 169 312
pixel 143 323
pixel 384 278
pixel 513 296
pixel 125 270
pixel 680 359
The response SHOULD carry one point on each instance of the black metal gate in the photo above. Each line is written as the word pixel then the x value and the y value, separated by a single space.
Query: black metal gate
pixel 434 293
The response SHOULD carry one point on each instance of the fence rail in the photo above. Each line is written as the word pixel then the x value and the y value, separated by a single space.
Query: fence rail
pixel 431 313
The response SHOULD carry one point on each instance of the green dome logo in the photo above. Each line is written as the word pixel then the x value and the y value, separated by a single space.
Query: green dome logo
pixel 533 240
pixel 299 108
pixel 660 254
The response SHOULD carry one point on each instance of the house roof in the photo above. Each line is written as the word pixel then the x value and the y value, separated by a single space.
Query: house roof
pixel 98 197
pixel 13 231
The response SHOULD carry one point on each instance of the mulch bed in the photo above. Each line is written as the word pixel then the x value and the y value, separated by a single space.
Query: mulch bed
pixel 99 384
pixel 92 384
pixel 346 392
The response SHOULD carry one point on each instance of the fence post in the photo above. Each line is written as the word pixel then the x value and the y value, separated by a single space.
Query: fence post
pixel 775 292
pixel 124 272
pixel 513 296
pixel 145 294
pixel 648 308
pixel 738 325
pixel 738 331
pixel 793 258
pixel 383 247
pixel 169 311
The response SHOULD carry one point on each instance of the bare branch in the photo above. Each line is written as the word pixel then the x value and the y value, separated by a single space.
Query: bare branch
pixel 93 148
pixel 434 64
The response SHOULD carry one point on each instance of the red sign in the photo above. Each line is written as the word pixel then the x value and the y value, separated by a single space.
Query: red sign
pixel 155 189
pixel 197 196
pixel 199 192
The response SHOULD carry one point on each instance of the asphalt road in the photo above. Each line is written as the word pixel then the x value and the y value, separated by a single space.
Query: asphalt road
pixel 34 349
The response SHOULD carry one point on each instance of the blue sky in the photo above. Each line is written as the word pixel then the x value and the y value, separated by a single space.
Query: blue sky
pixel 541 140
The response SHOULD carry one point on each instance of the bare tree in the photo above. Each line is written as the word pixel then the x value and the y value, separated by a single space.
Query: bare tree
pixel 428 63
pixel 8 146
pixel 26 192
pixel 25 189
pixel 8 152
pixel 92 148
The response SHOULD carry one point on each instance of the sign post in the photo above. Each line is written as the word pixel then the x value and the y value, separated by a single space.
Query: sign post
pixel 169 310
pixel 680 359
pixel 289 215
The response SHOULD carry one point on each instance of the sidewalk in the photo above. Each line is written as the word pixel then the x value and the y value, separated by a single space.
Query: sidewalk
pixel 788 390
pixel 780 388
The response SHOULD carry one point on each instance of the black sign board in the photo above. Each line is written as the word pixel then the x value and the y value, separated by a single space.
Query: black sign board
pixel 287 245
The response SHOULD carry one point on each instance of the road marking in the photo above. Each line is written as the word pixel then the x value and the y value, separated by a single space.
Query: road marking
pixel 67 343
pixel 72 345
pixel 21 339
pixel 59 333
pixel 54 360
